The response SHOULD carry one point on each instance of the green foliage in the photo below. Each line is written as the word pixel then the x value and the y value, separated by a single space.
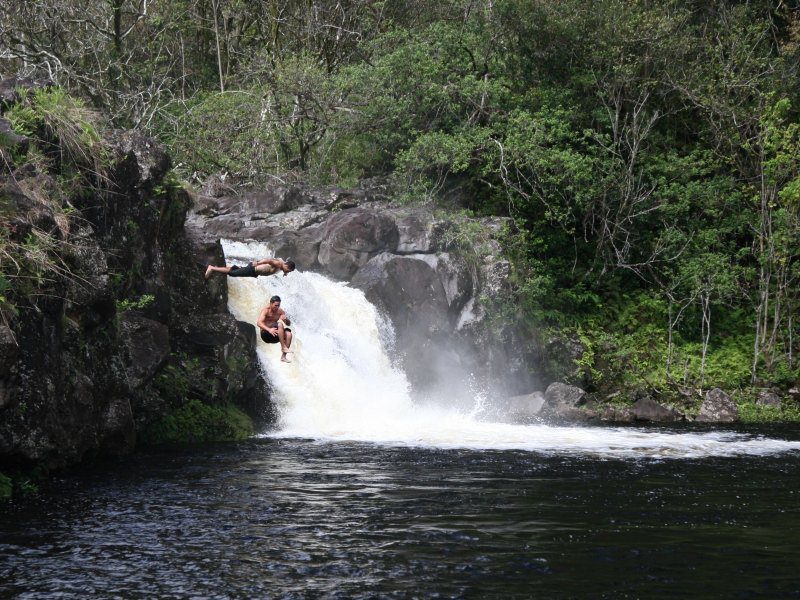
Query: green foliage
pixel 21 482
pixel 278 126
pixel 752 412
pixel 176 380
pixel 57 120
pixel 195 422
pixel 143 302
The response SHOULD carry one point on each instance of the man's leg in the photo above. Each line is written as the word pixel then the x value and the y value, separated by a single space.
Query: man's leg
pixel 211 269
pixel 286 340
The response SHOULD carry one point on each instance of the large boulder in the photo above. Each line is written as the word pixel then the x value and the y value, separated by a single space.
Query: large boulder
pixel 409 289
pixel 145 344
pixel 352 237
pixel 142 162
pixel 415 234
pixel 76 375
pixel 647 409
pixel 117 434
pixel 563 401
pixel 768 398
pixel 300 246
pixel 525 407
pixel 717 407
pixel 270 201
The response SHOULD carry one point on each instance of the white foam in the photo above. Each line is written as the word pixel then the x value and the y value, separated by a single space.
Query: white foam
pixel 343 384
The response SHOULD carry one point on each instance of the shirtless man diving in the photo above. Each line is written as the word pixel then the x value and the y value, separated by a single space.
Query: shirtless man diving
pixel 265 266
pixel 274 325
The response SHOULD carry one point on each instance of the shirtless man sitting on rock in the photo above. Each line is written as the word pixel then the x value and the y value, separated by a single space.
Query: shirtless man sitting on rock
pixel 265 266
pixel 274 325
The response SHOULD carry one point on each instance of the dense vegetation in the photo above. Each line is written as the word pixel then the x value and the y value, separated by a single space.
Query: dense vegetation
pixel 648 152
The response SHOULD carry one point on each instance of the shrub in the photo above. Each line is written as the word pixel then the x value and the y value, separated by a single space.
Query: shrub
pixel 196 422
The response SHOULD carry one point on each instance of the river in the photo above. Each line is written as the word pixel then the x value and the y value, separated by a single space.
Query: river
pixel 295 518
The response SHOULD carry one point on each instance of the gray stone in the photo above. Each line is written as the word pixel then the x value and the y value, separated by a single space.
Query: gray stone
pixel 352 237
pixel 455 277
pixel 647 409
pixel 300 246
pixel 270 200
pixel 562 394
pixel 143 162
pixel 564 401
pixel 616 414
pixel 146 347
pixel 10 89
pixel 117 434
pixel 525 406
pixel 768 398
pixel 90 286
pixel 717 407
pixel 415 234
pixel 409 290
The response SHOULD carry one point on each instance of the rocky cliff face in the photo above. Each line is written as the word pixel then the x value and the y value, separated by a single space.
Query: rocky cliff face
pixel 121 329
pixel 438 278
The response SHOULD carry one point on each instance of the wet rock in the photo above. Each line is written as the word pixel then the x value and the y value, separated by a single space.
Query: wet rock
pixel 456 279
pixel 81 379
pixel 352 237
pixel 300 246
pixel 616 414
pixel 563 401
pixel 768 398
pixel 647 409
pixel 89 287
pixel 525 407
pixel 717 407
pixel 409 290
pixel 117 433
pixel 146 347
pixel 9 352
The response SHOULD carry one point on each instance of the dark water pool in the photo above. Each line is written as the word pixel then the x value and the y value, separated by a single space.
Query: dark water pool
pixel 298 519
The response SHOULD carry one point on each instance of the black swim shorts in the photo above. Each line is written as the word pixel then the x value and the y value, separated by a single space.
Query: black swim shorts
pixel 248 271
pixel 269 338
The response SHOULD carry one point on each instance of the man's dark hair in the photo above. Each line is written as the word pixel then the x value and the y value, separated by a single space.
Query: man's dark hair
pixel 290 264
pixel 274 299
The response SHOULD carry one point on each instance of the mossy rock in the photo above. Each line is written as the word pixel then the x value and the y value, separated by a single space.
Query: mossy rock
pixel 6 487
pixel 196 422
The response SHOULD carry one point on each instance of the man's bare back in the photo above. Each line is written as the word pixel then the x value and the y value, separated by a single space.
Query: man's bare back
pixel 268 266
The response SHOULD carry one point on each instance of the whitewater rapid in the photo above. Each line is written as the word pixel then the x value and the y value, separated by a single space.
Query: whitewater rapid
pixel 345 384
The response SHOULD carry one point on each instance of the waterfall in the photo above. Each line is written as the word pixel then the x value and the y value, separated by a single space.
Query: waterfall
pixel 345 384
